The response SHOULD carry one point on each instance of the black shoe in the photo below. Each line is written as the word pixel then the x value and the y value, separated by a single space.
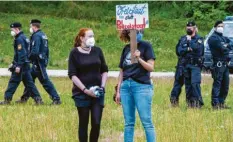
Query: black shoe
pixel 194 105
pixel 223 106
pixel 38 101
pixel 216 107
pixel 5 102
pixel 21 101
pixel 174 102
pixel 56 102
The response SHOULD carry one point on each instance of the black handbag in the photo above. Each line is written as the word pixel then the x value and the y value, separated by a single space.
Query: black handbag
pixel 114 95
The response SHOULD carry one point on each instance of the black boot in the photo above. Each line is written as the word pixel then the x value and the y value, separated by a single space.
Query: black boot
pixel 216 106
pixel 194 104
pixel 56 102
pixel 38 101
pixel 22 101
pixel 224 106
pixel 174 103
pixel 5 102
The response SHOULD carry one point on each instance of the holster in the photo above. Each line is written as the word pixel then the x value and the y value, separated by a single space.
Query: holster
pixel 187 73
pixel 12 68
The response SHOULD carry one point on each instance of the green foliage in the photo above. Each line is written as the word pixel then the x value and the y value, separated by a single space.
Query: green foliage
pixel 62 20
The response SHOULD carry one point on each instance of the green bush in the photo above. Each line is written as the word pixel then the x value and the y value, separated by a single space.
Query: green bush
pixel 62 20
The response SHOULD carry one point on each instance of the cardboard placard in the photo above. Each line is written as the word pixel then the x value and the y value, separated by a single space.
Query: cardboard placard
pixel 133 17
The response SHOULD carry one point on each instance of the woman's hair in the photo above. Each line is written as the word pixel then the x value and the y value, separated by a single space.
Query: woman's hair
pixel 124 35
pixel 81 33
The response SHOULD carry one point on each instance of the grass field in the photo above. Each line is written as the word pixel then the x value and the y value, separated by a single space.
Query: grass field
pixel 163 34
pixel 29 123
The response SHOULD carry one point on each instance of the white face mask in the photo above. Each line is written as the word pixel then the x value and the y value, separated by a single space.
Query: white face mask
pixel 90 42
pixel 13 33
pixel 219 30
pixel 31 30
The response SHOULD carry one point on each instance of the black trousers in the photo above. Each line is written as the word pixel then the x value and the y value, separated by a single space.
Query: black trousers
pixel 96 114
pixel 178 83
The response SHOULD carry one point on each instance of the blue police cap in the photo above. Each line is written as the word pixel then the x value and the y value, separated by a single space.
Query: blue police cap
pixel 35 21
pixel 15 25
pixel 190 24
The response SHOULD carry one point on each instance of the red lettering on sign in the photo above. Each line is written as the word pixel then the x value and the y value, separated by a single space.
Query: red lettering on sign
pixel 122 26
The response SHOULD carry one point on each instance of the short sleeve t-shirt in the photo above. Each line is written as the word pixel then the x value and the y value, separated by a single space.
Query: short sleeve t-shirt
pixel 136 70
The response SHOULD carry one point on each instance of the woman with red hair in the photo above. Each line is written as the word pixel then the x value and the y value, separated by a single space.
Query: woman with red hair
pixel 87 69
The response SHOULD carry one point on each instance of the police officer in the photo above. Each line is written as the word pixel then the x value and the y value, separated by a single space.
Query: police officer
pixel 20 67
pixel 179 79
pixel 191 48
pixel 220 47
pixel 39 56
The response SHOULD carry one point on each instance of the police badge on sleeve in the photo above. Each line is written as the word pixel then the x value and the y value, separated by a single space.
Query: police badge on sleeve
pixel 199 41
pixel 19 47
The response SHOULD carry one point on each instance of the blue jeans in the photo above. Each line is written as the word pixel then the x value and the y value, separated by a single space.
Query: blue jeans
pixel 136 95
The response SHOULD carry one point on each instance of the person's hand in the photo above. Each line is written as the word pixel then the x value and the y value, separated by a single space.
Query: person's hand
pixel 137 54
pixel 10 66
pixel 90 93
pixel 102 91
pixel 118 98
pixel 17 70
pixel 190 49
pixel 188 37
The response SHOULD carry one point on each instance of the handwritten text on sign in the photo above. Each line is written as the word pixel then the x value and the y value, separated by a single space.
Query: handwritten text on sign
pixel 133 16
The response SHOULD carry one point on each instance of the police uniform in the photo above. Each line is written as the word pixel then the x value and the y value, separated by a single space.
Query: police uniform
pixel 220 47
pixel 39 56
pixel 20 61
pixel 192 51
pixel 179 79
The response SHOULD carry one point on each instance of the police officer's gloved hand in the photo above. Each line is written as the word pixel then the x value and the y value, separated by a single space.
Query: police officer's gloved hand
pixel 10 66
pixel 229 46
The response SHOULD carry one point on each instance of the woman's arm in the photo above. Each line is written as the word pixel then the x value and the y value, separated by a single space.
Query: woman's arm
pixel 77 82
pixel 120 78
pixel 149 65
pixel 80 85
pixel 104 79
pixel 103 69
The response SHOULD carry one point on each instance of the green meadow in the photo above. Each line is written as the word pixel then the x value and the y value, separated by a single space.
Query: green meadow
pixel 30 123
pixel 61 22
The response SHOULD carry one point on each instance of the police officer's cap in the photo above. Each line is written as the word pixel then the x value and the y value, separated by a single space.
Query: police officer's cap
pixel 190 24
pixel 15 25
pixel 33 21
pixel 217 23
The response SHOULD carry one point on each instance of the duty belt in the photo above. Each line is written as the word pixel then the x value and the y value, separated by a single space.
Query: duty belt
pixel 221 63
pixel 194 61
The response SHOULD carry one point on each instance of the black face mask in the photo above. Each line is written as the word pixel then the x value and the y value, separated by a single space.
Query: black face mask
pixel 189 32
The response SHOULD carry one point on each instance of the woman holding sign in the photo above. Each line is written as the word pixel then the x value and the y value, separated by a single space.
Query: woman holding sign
pixel 88 72
pixel 135 88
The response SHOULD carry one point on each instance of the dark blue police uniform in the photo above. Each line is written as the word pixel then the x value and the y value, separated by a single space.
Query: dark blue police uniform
pixel 220 47
pixel 179 79
pixel 192 70
pixel 20 60
pixel 39 57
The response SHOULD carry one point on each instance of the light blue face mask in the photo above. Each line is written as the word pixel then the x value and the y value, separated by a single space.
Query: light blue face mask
pixel 139 37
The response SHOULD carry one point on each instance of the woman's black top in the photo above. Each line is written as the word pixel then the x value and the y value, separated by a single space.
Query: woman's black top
pixel 88 68
pixel 136 71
